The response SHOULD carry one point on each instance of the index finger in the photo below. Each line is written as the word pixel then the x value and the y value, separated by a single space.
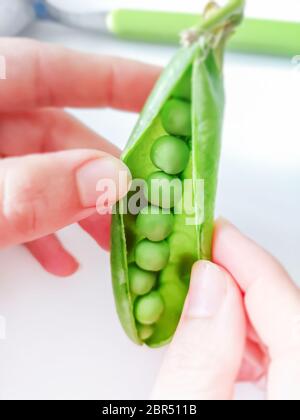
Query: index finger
pixel 40 75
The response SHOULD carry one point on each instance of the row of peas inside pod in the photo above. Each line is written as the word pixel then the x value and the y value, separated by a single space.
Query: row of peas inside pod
pixel 170 155
pixel 177 139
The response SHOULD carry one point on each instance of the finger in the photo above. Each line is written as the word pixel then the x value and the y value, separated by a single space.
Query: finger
pixel 255 360
pixel 46 75
pixel 253 336
pixel 98 227
pixel 55 259
pixel 206 353
pixel 47 130
pixel 273 304
pixel 40 194
pixel 52 256
pixel 254 364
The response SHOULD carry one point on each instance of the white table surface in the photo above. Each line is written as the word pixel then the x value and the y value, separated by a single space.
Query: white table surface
pixel 63 338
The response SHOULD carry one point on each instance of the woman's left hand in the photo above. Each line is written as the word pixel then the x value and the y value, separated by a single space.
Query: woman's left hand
pixel 49 162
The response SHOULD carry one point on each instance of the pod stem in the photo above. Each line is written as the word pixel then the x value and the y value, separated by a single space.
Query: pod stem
pixel 217 23
pixel 231 13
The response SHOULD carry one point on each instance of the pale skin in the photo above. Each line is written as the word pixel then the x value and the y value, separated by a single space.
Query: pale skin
pixel 241 319
pixel 50 162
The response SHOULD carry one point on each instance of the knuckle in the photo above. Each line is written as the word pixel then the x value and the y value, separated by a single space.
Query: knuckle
pixel 39 55
pixel 187 359
pixel 197 372
pixel 42 91
pixel 23 217
pixel 23 206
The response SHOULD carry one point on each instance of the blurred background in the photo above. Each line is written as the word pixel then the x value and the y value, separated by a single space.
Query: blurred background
pixel 63 339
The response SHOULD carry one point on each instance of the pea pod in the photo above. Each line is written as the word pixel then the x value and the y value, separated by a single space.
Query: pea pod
pixel 176 140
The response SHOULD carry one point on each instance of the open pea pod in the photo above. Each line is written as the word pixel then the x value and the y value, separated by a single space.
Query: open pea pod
pixel 174 149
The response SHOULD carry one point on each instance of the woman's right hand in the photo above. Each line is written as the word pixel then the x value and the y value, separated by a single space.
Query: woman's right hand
pixel 241 321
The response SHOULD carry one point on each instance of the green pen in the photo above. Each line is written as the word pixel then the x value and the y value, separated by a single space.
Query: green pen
pixel 255 36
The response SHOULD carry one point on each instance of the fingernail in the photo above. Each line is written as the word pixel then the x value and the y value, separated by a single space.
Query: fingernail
pixel 107 173
pixel 207 291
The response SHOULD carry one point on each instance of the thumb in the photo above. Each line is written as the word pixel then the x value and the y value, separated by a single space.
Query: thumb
pixel 205 356
pixel 40 194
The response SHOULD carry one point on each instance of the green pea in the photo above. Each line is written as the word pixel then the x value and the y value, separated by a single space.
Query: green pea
pixel 154 224
pixel 183 90
pixel 149 308
pixel 141 281
pixel 164 190
pixel 173 295
pixel 170 154
pixel 145 331
pixel 169 274
pixel 152 256
pixel 176 117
